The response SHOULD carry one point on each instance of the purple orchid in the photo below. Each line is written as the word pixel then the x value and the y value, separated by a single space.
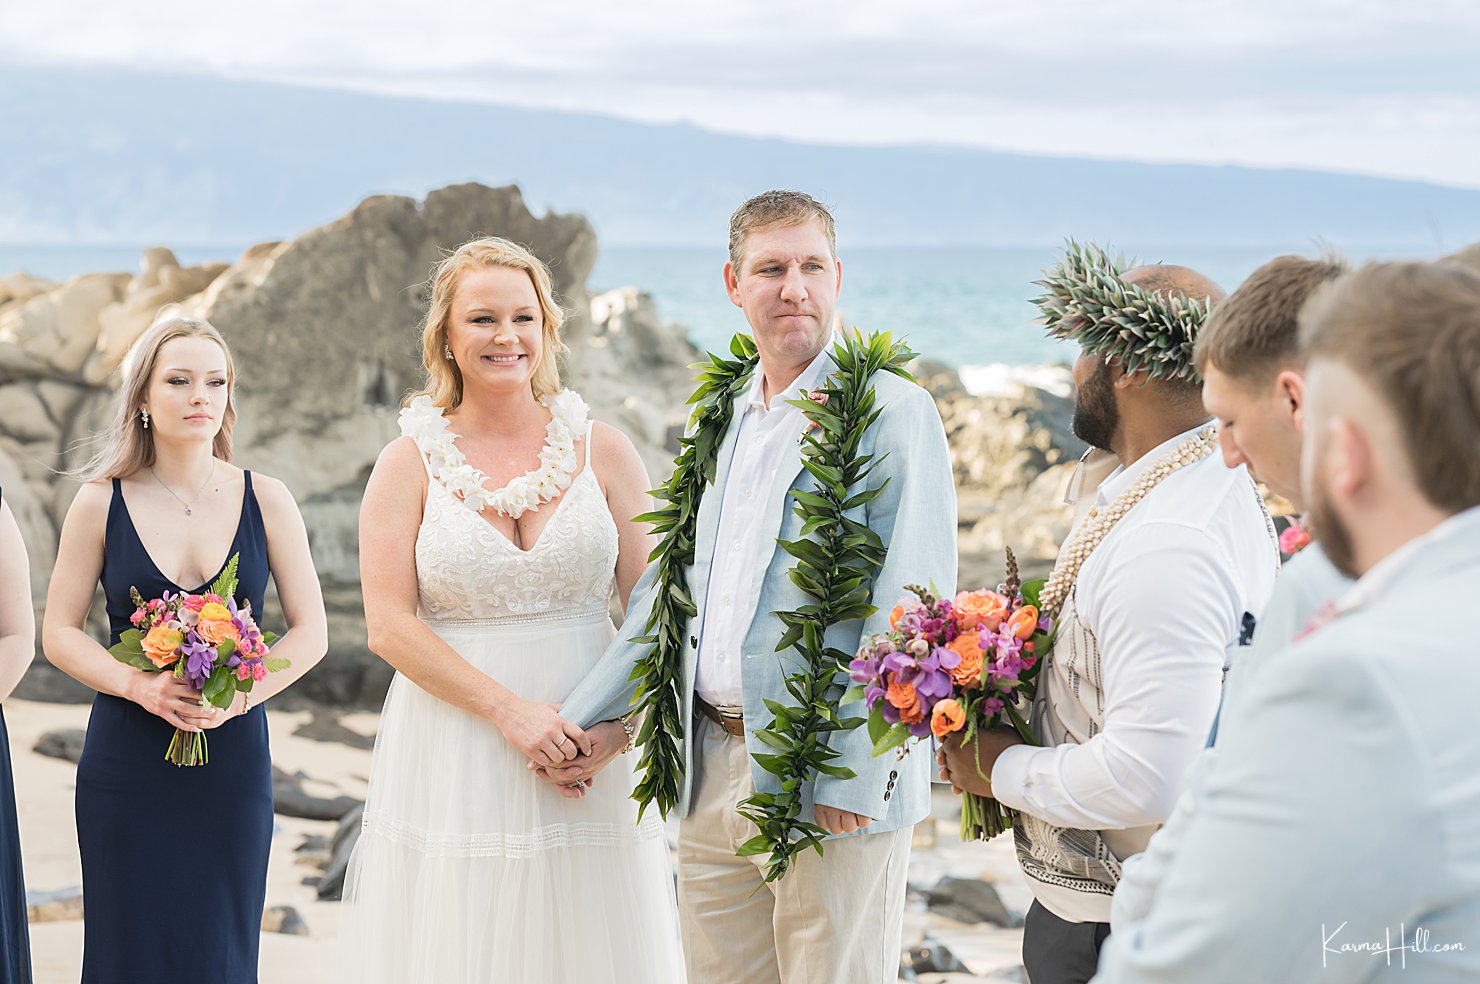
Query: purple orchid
pixel 200 659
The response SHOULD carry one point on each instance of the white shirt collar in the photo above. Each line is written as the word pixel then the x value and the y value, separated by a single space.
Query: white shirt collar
pixel 1382 574
pixel 1123 478
pixel 755 398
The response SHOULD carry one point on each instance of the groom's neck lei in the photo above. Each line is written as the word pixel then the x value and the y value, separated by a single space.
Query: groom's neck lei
pixel 837 559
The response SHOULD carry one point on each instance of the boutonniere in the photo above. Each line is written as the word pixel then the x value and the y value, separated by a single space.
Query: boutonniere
pixel 1295 538
pixel 1322 618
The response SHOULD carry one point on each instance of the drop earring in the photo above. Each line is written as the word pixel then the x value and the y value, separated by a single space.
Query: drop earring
pixel 447 353
pixel 144 416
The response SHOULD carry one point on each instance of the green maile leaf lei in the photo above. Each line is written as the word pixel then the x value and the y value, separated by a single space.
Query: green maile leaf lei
pixel 837 561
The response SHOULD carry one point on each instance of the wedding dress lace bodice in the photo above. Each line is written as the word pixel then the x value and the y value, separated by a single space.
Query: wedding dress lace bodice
pixel 466 569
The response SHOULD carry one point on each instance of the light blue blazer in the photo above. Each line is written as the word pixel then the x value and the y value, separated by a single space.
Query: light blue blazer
pixel 915 516
pixel 1342 811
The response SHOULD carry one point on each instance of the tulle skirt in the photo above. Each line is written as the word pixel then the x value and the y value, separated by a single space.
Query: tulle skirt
pixel 471 869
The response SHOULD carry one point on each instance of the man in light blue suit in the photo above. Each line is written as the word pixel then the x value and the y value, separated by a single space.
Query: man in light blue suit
pixel 1337 835
pixel 835 917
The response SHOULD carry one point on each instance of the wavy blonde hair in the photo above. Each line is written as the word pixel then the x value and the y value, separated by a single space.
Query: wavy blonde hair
pixel 444 382
pixel 129 445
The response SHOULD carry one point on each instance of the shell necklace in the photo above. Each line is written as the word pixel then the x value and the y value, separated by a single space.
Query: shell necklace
pixel 424 421
pixel 1097 525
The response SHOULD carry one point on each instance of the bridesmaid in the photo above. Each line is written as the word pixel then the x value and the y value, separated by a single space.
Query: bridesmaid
pixel 17 644
pixel 174 860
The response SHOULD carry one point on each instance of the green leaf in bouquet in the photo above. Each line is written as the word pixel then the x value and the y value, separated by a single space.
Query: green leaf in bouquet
pixel 224 650
pixel 852 695
pixel 225 585
pixel 268 638
pixel 1024 731
pixel 1031 591
pixel 897 735
pixel 220 687
pixel 130 649
pixel 276 664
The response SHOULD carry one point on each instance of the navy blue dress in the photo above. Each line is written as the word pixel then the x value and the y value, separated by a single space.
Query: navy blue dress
pixel 15 943
pixel 174 860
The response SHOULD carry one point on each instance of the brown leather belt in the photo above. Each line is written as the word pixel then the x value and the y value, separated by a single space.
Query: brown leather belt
pixel 731 724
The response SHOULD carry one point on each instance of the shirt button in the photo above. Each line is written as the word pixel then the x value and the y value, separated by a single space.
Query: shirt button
pixel 725 600
pixel 736 548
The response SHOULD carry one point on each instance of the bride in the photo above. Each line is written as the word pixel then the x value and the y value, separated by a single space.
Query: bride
pixel 491 536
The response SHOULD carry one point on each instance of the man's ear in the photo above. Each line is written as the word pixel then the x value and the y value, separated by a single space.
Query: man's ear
pixel 1120 379
pixel 1351 458
pixel 732 284
pixel 1289 387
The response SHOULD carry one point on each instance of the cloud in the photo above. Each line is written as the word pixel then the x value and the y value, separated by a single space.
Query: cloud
pixel 1359 85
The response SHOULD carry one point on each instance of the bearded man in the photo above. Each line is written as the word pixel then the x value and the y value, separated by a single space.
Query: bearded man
pixel 1149 594
pixel 1337 836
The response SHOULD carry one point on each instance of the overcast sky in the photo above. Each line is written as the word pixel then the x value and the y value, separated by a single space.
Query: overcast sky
pixel 1389 87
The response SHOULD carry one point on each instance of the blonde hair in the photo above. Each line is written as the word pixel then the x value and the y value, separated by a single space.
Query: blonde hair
pixel 773 208
pixel 129 444
pixel 444 382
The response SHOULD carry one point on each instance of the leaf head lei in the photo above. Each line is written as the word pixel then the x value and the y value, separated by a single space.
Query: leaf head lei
pixel 1086 301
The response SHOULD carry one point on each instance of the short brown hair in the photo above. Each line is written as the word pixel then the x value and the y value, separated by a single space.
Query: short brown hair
pixel 1254 333
pixel 1411 331
pixel 444 382
pixel 772 208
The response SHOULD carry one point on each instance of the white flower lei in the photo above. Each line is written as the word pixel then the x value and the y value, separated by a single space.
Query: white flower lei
pixel 424 422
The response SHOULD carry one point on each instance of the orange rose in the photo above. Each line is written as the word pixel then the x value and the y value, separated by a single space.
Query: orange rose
pixel 974 608
pixel 947 717
pixel 896 615
pixel 212 612
pixel 968 672
pixel 902 696
pixel 914 715
pixel 1024 623
pixel 161 645
pixel 214 630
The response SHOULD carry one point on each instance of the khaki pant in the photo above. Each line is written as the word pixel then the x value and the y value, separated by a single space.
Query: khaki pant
pixel 834 919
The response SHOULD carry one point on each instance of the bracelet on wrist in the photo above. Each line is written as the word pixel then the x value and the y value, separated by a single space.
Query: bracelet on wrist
pixel 631 732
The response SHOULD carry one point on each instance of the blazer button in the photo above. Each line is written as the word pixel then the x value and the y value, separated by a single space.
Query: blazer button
pixel 886 797
pixel 894 775
pixel 891 784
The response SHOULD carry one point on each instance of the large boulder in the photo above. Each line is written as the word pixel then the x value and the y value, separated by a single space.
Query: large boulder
pixel 58 330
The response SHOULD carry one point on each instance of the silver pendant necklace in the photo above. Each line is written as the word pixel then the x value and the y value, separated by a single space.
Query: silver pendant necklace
pixel 193 499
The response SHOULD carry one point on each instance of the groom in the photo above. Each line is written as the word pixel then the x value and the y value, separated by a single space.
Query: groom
pixel 834 917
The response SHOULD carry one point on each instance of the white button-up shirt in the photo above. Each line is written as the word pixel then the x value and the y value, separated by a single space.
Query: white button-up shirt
pixel 1164 595
pixel 765 443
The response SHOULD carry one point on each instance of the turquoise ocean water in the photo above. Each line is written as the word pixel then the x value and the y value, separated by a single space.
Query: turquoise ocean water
pixel 968 306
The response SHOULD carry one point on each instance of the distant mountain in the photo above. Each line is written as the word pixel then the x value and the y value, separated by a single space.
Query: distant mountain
pixel 129 158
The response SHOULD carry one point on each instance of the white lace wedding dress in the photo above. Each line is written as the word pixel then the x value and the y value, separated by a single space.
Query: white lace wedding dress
pixel 469 868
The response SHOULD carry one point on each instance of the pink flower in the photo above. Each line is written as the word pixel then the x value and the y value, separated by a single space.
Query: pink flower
pixel 243 670
pixel 1325 616
pixel 259 672
pixel 1295 539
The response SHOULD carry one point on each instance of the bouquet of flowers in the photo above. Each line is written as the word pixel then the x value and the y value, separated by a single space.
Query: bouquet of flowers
pixel 955 666
pixel 206 640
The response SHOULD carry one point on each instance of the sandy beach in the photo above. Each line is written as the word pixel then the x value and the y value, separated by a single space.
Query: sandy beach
pixel 336 763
